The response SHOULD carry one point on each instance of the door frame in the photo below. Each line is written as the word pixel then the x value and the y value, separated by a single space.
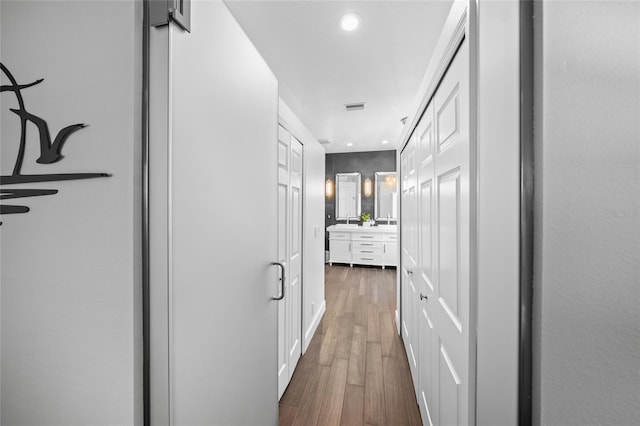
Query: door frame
pixel 475 20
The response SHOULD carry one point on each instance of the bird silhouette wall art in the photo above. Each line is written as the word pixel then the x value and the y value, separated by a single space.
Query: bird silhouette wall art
pixel 50 151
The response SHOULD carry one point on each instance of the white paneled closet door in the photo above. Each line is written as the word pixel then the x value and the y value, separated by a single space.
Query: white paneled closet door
pixel 409 246
pixel 284 170
pixel 290 255
pixel 294 298
pixel 425 132
pixel 443 230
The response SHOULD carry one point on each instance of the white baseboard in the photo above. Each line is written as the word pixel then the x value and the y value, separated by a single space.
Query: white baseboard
pixel 398 322
pixel 308 335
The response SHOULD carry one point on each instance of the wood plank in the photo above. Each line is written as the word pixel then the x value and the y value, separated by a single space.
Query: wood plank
pixel 345 335
pixel 361 287
pixel 357 358
pixel 350 303
pixel 334 394
pixel 362 314
pixel 373 292
pixel 309 409
pixel 387 334
pixel 395 402
pixel 353 409
pixel 293 394
pixel 287 415
pixel 328 347
pixel 307 363
pixel 373 323
pixel 413 411
pixel 374 411
pixel 345 274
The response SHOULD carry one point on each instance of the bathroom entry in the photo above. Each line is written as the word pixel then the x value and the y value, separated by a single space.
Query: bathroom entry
pixel 289 255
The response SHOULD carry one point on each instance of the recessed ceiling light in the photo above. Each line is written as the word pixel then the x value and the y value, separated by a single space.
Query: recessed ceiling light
pixel 385 142
pixel 349 144
pixel 349 22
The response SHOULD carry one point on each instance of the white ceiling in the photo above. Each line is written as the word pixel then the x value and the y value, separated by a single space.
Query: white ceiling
pixel 321 67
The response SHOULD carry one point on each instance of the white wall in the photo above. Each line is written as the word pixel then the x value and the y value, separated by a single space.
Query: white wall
pixel 313 232
pixel 70 268
pixel 587 273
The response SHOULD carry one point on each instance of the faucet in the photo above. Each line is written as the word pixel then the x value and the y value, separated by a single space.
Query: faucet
pixel 388 219
pixel 347 219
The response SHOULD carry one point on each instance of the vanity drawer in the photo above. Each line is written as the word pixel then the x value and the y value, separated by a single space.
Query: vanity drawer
pixel 367 251
pixel 367 245
pixel 390 237
pixel 339 235
pixel 366 236
pixel 367 258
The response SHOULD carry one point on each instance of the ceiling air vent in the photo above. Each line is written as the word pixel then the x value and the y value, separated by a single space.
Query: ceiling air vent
pixel 324 141
pixel 354 107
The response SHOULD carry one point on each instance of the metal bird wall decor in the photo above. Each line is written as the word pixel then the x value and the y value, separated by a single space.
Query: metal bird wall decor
pixel 50 151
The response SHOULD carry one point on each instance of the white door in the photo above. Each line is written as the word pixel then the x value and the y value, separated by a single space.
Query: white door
pixel 444 240
pixel 409 256
pixel 426 379
pixel 289 254
pixel 284 172
pixel 294 296
pixel 212 208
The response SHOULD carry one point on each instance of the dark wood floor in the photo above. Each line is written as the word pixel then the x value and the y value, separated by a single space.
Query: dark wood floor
pixel 355 371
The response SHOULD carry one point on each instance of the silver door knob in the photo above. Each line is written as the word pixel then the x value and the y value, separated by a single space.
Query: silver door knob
pixel 423 297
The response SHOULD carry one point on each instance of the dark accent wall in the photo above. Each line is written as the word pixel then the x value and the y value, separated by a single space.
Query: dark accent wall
pixel 365 163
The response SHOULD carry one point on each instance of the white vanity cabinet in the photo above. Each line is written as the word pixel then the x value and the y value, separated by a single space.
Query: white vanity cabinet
pixel 390 249
pixel 362 245
pixel 340 247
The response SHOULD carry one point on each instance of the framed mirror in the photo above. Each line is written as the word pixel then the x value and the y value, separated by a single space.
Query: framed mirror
pixel 386 201
pixel 348 196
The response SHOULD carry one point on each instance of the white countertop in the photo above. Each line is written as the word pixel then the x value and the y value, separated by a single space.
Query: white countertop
pixel 359 228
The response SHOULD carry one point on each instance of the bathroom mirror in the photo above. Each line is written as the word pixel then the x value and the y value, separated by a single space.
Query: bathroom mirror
pixel 386 201
pixel 347 196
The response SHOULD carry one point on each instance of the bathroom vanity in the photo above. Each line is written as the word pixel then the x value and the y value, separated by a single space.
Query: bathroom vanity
pixel 363 245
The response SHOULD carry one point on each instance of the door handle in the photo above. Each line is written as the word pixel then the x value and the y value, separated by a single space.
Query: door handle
pixel 281 280
pixel 409 271
pixel 423 297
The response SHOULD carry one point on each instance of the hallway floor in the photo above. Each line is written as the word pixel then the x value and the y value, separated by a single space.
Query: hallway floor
pixel 355 371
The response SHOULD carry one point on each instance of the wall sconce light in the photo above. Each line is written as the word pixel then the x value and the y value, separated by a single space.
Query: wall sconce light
pixel 367 187
pixel 328 188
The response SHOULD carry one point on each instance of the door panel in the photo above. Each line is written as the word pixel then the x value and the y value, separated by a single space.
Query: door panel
pixel 426 380
pixel 449 244
pixel 449 391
